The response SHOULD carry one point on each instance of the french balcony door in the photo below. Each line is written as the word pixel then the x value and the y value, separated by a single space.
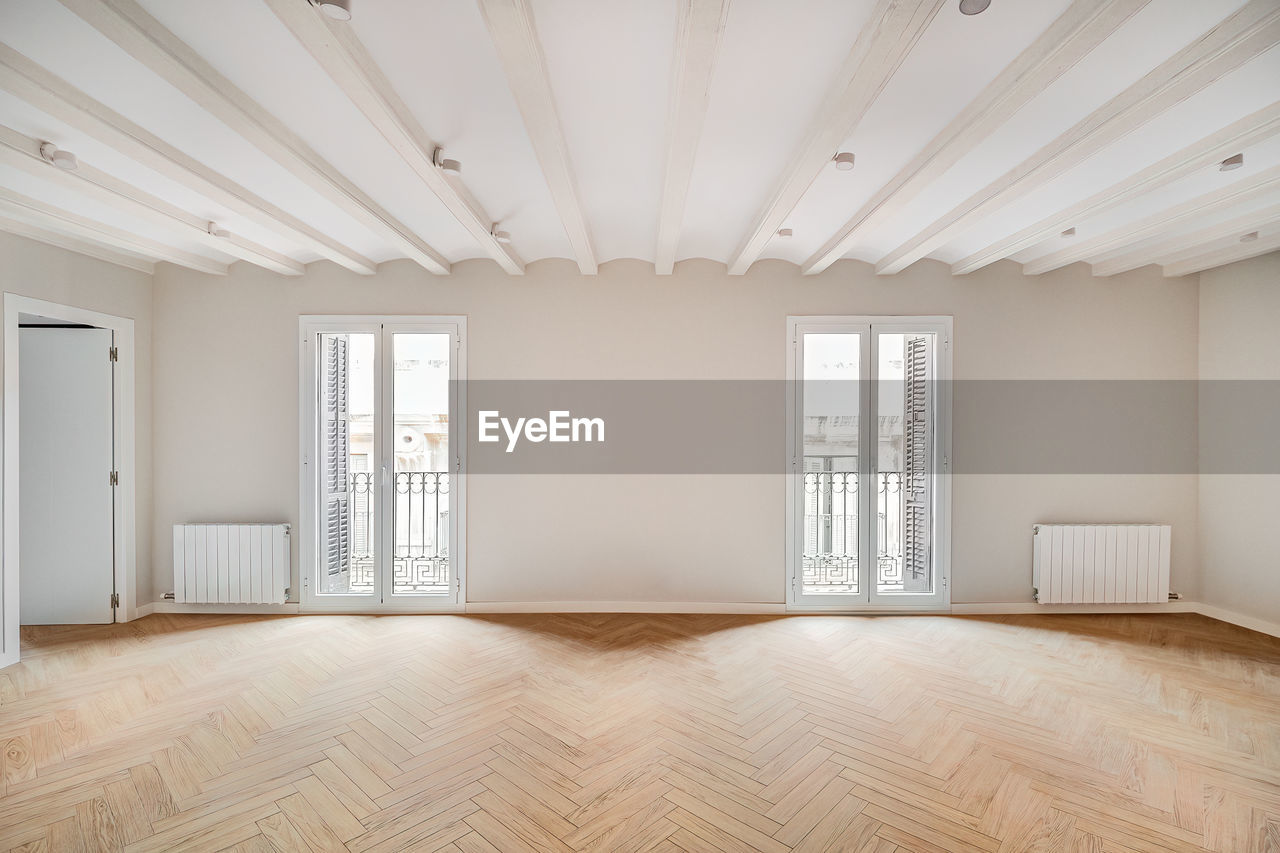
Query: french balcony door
pixel 383 456
pixel 868 439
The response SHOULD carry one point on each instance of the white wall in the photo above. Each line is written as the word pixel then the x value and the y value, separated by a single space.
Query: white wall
pixel 1240 556
pixel 57 275
pixel 226 428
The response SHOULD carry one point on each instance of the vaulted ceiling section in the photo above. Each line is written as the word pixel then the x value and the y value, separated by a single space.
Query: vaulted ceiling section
pixel 1048 132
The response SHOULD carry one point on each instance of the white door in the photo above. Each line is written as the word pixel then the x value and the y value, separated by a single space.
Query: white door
pixel 65 515
pixel 382 438
pixel 868 439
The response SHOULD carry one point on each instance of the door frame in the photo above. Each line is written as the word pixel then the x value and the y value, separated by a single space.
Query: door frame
pixel 311 325
pixel 794 478
pixel 125 532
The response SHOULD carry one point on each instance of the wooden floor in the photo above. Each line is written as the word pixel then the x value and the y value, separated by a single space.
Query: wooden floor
pixel 643 733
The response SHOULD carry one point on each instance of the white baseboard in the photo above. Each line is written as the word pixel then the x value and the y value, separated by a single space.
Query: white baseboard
pixel 1014 607
pixel 743 607
pixel 1222 614
pixel 1253 623
pixel 175 607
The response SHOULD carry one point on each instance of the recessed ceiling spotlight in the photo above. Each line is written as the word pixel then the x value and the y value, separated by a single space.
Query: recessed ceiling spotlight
pixel 62 159
pixel 784 233
pixel 973 7
pixel 501 236
pixel 218 232
pixel 338 10
pixel 1070 232
pixel 1235 161
pixel 453 167
pixel 843 161
pixel 1250 237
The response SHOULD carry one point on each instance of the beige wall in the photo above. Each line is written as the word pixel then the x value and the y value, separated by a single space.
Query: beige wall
pixel 226 423
pixel 57 275
pixel 1240 558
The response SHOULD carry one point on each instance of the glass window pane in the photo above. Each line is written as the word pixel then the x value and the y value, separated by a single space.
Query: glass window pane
pixel 423 462
pixel 829 555
pixel 348 530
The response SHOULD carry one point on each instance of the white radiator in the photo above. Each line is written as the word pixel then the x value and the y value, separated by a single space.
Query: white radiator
pixel 230 563
pixel 1101 563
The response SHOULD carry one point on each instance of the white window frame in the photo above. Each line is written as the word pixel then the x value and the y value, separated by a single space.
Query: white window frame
pixel 382 326
pixel 869 600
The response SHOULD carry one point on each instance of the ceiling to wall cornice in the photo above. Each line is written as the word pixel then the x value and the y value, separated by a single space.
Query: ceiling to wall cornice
pixel 664 130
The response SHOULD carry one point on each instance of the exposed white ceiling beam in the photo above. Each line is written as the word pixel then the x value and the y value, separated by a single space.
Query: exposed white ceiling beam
pixel 1268 241
pixel 515 35
pixel 83 247
pixel 344 57
pixel 1185 247
pixel 699 26
pixel 1205 153
pixel 1080 29
pixel 23 152
pixel 882 45
pixel 144 38
pixel 54 96
pixel 1224 198
pixel 27 209
pixel 1252 30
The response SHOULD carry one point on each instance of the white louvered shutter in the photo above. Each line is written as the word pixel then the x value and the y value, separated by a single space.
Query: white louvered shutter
pixel 337 455
pixel 918 458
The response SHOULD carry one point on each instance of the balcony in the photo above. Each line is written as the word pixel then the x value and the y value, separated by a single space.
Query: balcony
pixel 829 561
pixel 420 561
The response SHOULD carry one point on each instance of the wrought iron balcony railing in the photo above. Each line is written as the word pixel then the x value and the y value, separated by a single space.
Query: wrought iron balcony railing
pixel 829 560
pixel 420 546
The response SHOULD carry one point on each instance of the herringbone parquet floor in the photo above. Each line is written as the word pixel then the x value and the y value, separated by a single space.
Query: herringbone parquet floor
pixel 628 733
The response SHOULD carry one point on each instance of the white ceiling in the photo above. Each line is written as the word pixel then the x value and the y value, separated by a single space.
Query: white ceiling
pixel 613 71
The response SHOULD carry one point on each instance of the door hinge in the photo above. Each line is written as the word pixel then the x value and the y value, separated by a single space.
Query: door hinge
pixel 115 478
pixel 115 600
pixel 113 354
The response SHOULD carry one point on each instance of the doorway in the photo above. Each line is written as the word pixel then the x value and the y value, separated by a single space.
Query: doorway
pixel 383 454
pixel 69 540
pixel 67 473
pixel 868 437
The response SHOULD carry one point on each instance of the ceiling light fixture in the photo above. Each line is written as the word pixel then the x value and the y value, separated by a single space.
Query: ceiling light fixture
pixel 218 232
pixel 503 237
pixel 973 7
pixel 338 10
pixel 843 161
pixel 785 232
pixel 1070 232
pixel 453 167
pixel 62 159
pixel 1250 237
pixel 1235 161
